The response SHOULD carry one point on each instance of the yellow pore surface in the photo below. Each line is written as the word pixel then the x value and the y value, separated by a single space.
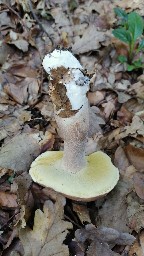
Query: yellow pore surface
pixel 96 179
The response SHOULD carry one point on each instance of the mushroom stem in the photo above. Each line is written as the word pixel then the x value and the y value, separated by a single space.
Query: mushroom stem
pixel 74 131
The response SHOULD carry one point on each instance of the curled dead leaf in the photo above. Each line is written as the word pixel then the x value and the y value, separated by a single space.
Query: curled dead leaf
pixel 135 156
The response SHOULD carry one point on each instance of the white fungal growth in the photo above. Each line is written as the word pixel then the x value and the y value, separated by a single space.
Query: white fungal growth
pixel 78 84
pixel 59 58
pixel 77 89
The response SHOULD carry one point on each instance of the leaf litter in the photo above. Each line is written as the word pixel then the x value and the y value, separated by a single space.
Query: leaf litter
pixel 34 220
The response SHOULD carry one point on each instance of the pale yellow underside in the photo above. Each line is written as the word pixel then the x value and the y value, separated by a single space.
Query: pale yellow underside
pixel 98 177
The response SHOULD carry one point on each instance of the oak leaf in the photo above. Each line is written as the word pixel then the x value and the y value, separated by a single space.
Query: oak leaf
pixel 49 231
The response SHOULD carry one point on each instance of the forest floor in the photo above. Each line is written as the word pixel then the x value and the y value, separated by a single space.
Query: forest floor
pixel 36 221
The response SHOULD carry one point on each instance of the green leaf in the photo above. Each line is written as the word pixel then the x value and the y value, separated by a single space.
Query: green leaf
pixel 130 67
pixel 138 63
pixel 136 25
pixel 141 45
pixel 122 58
pixel 120 13
pixel 123 35
pixel 135 65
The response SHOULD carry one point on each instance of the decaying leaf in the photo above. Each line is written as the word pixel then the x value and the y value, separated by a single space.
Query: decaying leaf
pixel 96 97
pixel 121 160
pixel 47 142
pixel 113 212
pixel 19 152
pixel 135 212
pixel 5 20
pixel 17 92
pixel 99 239
pixel 8 127
pixel 95 120
pixel 8 200
pixel 23 182
pixel 131 5
pixel 138 88
pixel 49 231
pixel 82 212
pixel 138 247
pixel 21 44
pixel 139 184
pixel 135 156
pixel 99 248
pixel 90 40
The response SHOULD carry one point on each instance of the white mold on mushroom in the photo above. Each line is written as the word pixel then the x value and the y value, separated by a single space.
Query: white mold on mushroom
pixel 59 58
pixel 77 85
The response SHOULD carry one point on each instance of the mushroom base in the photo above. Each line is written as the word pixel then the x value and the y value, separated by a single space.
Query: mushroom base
pixel 96 179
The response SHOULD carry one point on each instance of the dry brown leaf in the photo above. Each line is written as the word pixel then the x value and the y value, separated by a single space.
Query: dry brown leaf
pixel 5 20
pixel 4 218
pixel 23 183
pixel 4 171
pixel 8 200
pixel 104 9
pixel 99 239
pixel 9 127
pixel 135 212
pixel 109 108
pixel 49 231
pixel 138 89
pixel 135 156
pixel 139 184
pixel 60 17
pixel 121 160
pixel 22 70
pixel 131 5
pixel 137 248
pixel 99 248
pixel 95 120
pixel 113 212
pixel 17 91
pixel 47 142
pixel 90 40
pixel 5 51
pixel 135 129
pixel 21 44
pixel 96 97
pixel 124 116
pixel 19 152
pixel 123 97
pixel 134 106
pixel 82 212
pixel 33 89
pixel 18 40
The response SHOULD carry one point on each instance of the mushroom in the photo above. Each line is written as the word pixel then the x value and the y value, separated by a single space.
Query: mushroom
pixel 70 172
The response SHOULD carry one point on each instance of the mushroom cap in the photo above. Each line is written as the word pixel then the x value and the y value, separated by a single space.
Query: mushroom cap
pixel 60 58
pixel 95 180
